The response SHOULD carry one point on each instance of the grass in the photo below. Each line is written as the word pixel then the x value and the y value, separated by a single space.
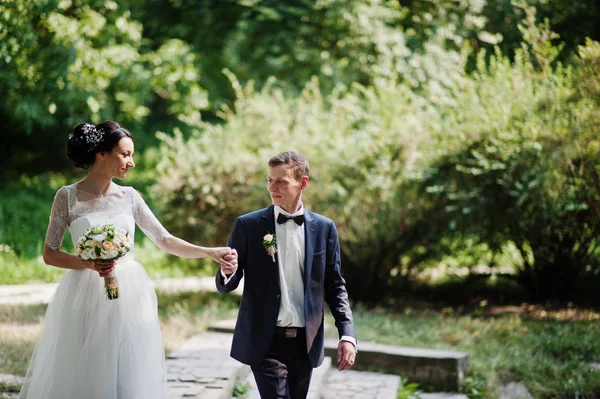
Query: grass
pixel 8 389
pixel 548 351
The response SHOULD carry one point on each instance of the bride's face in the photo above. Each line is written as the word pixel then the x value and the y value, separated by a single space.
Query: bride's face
pixel 120 159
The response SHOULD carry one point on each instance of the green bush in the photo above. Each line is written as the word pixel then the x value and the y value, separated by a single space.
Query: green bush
pixel 530 176
pixel 25 212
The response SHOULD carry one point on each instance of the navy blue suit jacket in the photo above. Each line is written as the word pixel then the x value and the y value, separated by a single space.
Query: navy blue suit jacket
pixel 259 308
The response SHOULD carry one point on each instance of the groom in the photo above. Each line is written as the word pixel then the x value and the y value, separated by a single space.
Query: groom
pixel 279 330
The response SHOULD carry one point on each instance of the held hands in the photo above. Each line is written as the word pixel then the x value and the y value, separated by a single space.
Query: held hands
pixel 227 257
pixel 102 267
pixel 346 355
pixel 230 264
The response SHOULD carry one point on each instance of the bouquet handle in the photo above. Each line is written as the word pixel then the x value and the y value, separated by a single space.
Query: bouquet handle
pixel 111 284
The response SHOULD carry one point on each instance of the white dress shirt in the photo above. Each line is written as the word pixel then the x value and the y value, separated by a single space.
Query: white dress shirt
pixel 290 247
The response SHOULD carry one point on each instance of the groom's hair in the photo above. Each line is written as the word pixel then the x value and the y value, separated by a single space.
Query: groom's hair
pixel 298 163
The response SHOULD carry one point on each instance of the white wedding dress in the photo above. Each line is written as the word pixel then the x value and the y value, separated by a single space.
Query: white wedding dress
pixel 91 347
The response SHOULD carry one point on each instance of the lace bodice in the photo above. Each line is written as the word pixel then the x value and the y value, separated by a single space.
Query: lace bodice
pixel 122 206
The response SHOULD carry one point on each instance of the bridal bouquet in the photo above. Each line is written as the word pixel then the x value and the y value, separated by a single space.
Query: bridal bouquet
pixel 105 243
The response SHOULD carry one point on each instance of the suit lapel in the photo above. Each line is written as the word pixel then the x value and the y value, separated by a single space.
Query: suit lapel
pixel 268 225
pixel 310 237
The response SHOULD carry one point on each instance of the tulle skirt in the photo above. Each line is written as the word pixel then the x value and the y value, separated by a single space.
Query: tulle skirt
pixel 94 348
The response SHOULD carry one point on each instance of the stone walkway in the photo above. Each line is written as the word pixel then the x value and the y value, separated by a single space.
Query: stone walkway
pixel 350 384
pixel 202 368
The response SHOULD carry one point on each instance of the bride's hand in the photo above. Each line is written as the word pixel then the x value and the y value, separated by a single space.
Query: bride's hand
pixel 224 255
pixel 232 265
pixel 104 268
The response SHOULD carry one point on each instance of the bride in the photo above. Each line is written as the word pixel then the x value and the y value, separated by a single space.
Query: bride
pixel 91 347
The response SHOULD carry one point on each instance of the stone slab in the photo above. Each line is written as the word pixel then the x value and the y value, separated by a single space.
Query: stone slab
pixel 442 369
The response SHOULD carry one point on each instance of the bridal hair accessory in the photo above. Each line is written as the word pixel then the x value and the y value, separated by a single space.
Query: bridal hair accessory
pixel 269 242
pixel 92 136
pixel 101 243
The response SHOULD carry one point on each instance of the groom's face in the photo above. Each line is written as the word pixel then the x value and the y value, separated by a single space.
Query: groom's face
pixel 284 188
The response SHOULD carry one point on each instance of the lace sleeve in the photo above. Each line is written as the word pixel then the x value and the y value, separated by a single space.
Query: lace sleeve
pixel 146 220
pixel 59 219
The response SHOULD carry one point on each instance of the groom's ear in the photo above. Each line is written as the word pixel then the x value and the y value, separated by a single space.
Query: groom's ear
pixel 304 182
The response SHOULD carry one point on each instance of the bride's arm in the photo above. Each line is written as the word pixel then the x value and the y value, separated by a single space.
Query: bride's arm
pixel 171 244
pixel 177 246
pixel 62 259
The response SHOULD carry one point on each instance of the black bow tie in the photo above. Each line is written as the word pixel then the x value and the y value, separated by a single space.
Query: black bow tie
pixel 298 219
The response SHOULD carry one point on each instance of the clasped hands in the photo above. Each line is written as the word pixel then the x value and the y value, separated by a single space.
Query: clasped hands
pixel 229 262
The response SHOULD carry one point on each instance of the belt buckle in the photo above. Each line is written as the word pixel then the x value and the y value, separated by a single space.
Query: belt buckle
pixel 291 332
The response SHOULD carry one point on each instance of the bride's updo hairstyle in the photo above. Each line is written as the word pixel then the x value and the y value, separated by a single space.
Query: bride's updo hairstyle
pixel 87 140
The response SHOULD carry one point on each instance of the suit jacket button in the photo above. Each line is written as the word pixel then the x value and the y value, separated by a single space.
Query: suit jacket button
pixel 278 296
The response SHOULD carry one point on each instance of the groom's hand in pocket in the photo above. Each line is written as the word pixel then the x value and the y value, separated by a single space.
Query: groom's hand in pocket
pixel 230 268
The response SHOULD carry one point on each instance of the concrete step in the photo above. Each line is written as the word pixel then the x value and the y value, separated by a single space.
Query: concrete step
pixel 442 369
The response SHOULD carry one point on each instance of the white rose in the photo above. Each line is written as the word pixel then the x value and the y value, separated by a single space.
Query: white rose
pixel 88 254
pixel 98 237
pixel 268 237
pixel 107 246
pixel 89 244
pixel 113 254
pixel 121 237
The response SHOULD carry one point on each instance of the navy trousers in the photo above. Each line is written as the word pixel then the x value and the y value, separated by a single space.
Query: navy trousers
pixel 285 371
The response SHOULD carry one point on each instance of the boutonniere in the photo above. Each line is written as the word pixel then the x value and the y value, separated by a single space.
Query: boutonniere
pixel 269 242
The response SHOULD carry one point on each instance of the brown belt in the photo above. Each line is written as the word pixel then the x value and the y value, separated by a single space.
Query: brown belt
pixel 289 332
